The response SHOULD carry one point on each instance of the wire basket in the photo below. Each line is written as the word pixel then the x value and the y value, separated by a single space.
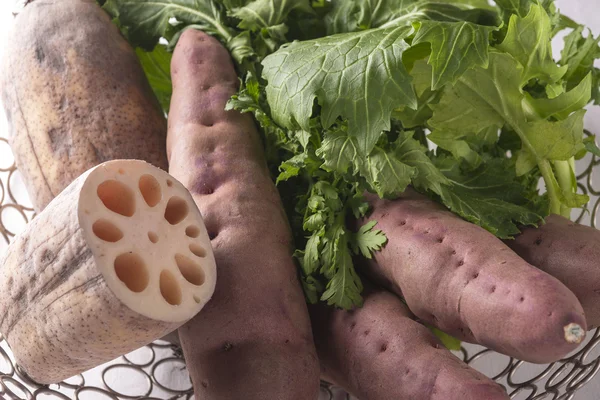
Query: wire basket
pixel 157 371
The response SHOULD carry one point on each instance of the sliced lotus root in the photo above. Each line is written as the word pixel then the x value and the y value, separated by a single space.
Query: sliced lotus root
pixel 120 258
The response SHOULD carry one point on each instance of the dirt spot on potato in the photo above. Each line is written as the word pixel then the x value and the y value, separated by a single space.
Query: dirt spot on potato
pixel 228 346
pixel 39 54
pixel 59 141
pixel 383 347
pixel 47 256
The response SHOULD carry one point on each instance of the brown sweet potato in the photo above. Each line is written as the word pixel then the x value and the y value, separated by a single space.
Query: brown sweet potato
pixel 75 96
pixel 253 339
pixel 378 352
pixel 462 279
pixel 570 252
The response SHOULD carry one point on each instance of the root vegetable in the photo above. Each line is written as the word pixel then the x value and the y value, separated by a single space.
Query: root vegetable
pixel 455 275
pixel 253 340
pixel 75 96
pixel 378 352
pixel 118 259
pixel 569 252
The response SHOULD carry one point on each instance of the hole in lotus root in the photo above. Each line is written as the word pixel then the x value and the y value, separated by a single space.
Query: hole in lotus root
pixel 176 211
pixel 131 270
pixel 169 183
pixel 192 231
pixel 107 231
pixel 190 270
pixel 197 250
pixel 117 197
pixel 169 288
pixel 150 189
pixel 197 299
pixel 153 237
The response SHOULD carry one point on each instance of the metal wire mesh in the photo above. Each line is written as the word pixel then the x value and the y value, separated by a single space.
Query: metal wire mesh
pixel 157 371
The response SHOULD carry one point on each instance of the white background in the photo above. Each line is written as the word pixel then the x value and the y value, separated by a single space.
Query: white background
pixel 586 12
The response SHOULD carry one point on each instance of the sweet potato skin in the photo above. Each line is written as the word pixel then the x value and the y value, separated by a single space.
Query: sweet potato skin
pixel 458 277
pixel 75 96
pixel 253 339
pixel 378 352
pixel 570 252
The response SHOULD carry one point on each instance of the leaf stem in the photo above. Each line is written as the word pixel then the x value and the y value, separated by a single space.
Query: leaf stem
pixel 564 176
pixel 549 180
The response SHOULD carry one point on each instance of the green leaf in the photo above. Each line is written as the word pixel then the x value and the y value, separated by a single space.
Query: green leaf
pixel 484 4
pixel 578 55
pixel 341 18
pixel 528 40
pixel 148 20
pixel 353 15
pixel 312 287
pixel 311 253
pixel 490 197
pixel 261 14
pixel 482 98
pixel 421 73
pixel 455 47
pixel 240 47
pixel 518 7
pixel 356 76
pixel 460 149
pixel 231 4
pixel 157 67
pixel 344 287
pixel 338 151
pixel 450 342
pixel 554 90
pixel 367 241
pixel 412 153
pixel 385 173
pixel 375 13
pixel 596 86
pixel 590 145
pixel 492 98
pixel 559 140
pixel 564 104
pixel 291 167
pixel 525 162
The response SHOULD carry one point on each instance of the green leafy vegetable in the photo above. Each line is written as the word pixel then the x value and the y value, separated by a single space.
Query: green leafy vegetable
pixel 157 66
pixel 261 14
pixel 357 76
pixel 455 47
pixel 528 41
pixel 348 95
pixel 148 20
pixel 495 99
pixel 490 196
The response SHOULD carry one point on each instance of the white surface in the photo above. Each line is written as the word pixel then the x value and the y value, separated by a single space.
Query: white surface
pixel 586 12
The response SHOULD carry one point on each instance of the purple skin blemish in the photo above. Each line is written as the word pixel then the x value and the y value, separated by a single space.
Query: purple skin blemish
pixel 206 179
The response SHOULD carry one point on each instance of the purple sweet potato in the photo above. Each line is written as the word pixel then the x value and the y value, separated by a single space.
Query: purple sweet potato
pixel 463 280
pixel 253 340
pixel 378 352
pixel 570 252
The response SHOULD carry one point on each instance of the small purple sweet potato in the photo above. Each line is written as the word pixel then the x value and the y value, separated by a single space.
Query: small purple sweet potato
pixel 378 352
pixel 463 280
pixel 569 252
